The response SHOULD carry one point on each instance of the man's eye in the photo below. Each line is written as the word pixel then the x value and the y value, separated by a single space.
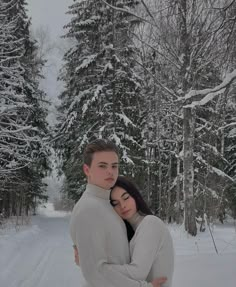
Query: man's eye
pixel 102 166
pixel 115 166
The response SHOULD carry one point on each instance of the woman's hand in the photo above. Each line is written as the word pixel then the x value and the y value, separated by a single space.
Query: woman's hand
pixel 76 255
pixel 158 281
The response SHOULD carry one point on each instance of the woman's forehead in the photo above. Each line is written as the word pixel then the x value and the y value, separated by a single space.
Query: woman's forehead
pixel 118 192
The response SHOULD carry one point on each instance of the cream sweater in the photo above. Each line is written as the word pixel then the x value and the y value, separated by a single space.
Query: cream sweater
pixel 152 253
pixel 100 236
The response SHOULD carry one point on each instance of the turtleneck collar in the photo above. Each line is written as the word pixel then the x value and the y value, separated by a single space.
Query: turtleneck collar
pixel 97 191
pixel 135 220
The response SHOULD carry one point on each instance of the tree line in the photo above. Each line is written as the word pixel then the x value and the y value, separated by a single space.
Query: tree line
pixel 157 78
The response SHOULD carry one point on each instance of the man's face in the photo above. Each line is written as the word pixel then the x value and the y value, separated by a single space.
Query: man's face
pixel 103 170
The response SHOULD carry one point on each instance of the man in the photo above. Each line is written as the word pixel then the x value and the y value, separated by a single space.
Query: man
pixel 96 230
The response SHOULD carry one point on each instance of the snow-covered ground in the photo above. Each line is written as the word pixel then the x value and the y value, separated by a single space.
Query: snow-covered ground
pixel 40 255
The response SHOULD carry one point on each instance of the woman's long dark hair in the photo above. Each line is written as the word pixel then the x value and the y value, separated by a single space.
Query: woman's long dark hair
pixel 133 191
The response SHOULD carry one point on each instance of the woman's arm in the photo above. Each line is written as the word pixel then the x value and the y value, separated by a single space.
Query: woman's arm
pixel 148 242
pixel 155 283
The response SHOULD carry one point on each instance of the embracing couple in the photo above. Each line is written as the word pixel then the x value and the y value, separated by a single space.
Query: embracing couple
pixel 117 240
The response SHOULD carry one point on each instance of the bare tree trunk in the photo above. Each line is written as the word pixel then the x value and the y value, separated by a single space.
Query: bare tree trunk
pixel 22 207
pixel 203 223
pixel 35 205
pixel 168 211
pixel 221 112
pixel 160 183
pixel 188 137
pixel 178 188
pixel 113 84
pixel 188 122
pixel 149 151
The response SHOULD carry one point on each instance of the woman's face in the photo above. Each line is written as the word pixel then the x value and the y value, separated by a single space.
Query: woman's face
pixel 123 203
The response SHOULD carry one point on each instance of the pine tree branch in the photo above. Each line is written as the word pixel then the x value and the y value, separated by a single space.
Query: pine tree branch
pixel 127 12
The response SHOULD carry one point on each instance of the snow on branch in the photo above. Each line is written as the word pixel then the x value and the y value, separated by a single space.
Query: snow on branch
pixel 221 173
pixel 20 129
pixel 86 62
pixel 94 98
pixel 125 120
pixel 212 169
pixel 92 21
pixel 228 125
pixel 232 133
pixel 209 94
pixel 124 156
pixel 12 169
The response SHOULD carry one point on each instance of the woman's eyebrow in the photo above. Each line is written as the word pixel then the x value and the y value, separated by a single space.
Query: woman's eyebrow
pixel 125 193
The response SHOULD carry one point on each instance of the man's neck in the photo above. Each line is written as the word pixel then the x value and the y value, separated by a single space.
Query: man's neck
pixel 98 191
pixel 100 187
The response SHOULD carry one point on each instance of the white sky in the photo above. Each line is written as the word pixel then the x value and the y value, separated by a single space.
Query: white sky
pixel 50 13
pixel 51 16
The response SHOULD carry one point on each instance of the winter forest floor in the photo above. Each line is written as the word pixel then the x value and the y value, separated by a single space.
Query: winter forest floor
pixel 40 255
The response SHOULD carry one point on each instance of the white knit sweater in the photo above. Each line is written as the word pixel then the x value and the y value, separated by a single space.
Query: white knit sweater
pixel 152 253
pixel 100 236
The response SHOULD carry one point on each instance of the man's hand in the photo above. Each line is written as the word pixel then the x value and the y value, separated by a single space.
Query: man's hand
pixel 158 281
pixel 76 255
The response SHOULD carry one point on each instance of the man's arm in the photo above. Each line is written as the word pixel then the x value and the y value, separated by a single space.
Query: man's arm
pixel 90 237
pixel 156 282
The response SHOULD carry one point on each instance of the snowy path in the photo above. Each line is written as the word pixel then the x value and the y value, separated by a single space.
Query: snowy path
pixel 40 255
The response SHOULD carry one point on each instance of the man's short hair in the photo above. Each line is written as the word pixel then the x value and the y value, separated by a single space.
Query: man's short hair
pixel 98 145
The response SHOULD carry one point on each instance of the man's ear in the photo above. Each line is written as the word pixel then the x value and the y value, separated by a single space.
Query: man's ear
pixel 86 169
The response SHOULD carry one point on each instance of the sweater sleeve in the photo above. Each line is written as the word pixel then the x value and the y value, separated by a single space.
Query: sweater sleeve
pixel 150 239
pixel 89 234
pixel 72 226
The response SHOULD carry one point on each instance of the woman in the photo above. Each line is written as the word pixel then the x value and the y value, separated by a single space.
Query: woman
pixel 151 247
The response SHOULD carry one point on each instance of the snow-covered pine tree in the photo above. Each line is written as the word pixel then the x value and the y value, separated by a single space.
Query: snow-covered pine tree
pixel 13 140
pixel 102 91
pixel 36 98
pixel 22 117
